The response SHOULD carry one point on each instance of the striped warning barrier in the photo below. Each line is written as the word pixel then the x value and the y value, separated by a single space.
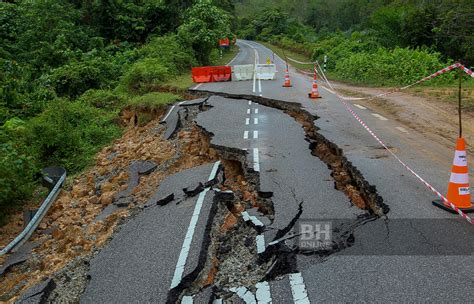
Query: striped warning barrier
pixel 265 71
pixel 243 72
pixel 442 197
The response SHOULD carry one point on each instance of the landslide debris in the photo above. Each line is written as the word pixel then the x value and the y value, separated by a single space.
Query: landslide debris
pixel 124 177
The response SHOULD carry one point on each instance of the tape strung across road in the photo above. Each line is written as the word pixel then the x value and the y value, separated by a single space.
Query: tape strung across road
pixel 442 71
pixel 349 108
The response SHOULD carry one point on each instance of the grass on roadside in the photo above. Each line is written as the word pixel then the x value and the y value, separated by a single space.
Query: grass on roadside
pixel 445 93
pixel 297 56
pixel 152 101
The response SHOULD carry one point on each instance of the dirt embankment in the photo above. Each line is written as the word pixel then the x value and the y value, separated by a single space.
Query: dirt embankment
pixel 430 115
pixel 72 229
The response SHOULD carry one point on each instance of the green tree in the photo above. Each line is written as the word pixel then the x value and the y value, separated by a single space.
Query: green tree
pixel 204 24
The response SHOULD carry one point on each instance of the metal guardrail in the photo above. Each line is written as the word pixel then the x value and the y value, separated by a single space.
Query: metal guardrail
pixel 42 211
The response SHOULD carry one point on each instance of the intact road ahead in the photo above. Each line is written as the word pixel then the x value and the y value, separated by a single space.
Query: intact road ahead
pixel 418 253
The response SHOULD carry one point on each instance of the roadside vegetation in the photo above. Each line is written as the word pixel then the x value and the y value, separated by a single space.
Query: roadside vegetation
pixel 67 68
pixel 378 43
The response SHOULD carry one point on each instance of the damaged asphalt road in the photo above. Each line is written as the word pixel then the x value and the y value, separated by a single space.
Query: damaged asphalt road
pixel 197 241
pixel 139 263
pixel 232 231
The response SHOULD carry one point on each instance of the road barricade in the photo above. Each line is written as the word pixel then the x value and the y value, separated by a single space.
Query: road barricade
pixel 221 73
pixel 243 72
pixel 211 74
pixel 201 74
pixel 265 71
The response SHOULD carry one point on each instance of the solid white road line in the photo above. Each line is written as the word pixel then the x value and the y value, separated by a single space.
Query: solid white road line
pixel 260 239
pixel 360 107
pixel 255 134
pixel 247 121
pixel 183 255
pixel 246 134
pixel 379 116
pixel 255 121
pixel 256 111
pixel 248 111
pixel 298 289
pixel 256 162
pixel 401 129
pixel 253 86
pixel 197 87
pixel 169 112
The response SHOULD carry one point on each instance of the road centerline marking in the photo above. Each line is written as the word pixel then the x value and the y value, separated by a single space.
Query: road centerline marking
pixel 247 121
pixel 246 134
pixel 256 111
pixel 255 134
pixel 255 121
pixel 186 247
pixel 248 111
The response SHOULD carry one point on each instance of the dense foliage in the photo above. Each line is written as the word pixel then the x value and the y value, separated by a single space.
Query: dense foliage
pixel 68 66
pixel 368 41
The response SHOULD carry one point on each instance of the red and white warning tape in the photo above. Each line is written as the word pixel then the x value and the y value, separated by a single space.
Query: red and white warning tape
pixel 300 62
pixel 467 71
pixel 349 108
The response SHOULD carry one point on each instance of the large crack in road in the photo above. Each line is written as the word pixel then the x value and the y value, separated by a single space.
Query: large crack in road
pixel 234 262
pixel 231 263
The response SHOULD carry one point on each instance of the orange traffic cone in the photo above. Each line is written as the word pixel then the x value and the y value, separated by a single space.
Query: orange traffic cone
pixel 314 90
pixel 287 83
pixel 458 187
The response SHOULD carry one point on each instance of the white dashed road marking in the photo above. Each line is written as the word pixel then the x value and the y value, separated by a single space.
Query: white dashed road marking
pixel 263 293
pixel 246 134
pixel 256 111
pixel 255 134
pixel 260 239
pixel 248 111
pixel 379 116
pixel 298 289
pixel 250 102
pixel 255 121
pixel 360 107
pixel 247 121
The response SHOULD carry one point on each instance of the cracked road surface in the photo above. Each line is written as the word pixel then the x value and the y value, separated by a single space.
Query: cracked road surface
pixel 233 231
pixel 402 257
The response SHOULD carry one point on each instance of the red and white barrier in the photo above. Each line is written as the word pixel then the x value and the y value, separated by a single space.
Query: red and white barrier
pixel 349 108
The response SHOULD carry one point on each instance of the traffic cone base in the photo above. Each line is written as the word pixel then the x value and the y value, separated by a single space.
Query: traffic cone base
pixel 285 85
pixel 440 204
pixel 314 95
